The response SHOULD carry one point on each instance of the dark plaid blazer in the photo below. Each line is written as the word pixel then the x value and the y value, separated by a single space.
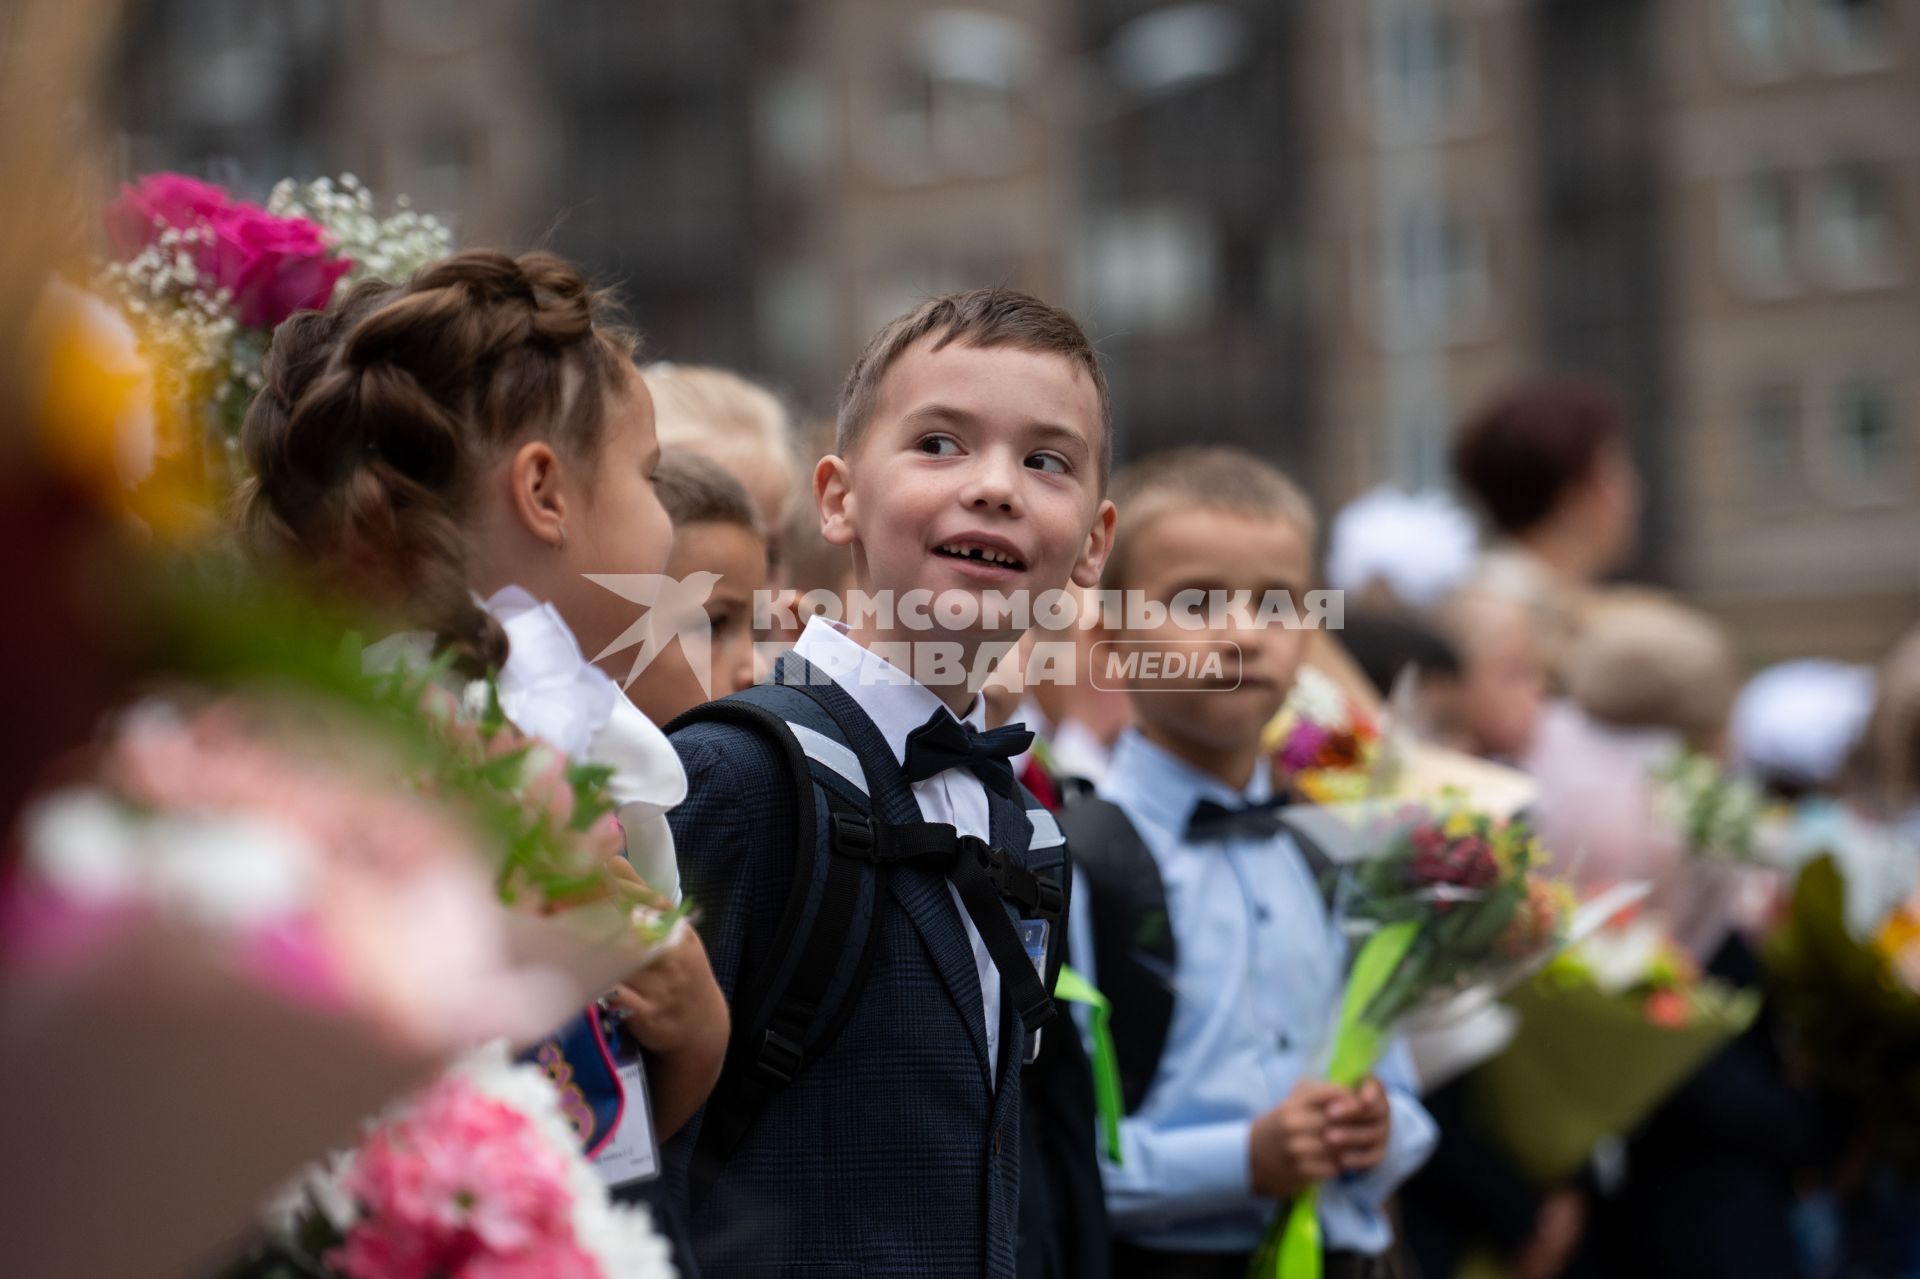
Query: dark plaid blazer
pixel 892 1155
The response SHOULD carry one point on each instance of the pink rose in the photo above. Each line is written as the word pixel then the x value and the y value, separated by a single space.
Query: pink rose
pixel 158 201
pixel 274 266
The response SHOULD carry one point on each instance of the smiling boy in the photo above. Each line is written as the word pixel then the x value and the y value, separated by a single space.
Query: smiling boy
pixel 872 1127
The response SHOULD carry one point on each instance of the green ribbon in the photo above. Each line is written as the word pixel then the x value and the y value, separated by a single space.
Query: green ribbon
pixel 1358 1042
pixel 1076 989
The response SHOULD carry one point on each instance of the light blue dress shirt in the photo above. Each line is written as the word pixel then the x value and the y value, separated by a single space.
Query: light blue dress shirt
pixel 1257 987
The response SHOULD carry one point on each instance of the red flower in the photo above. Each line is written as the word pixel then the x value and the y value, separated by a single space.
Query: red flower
pixel 1463 863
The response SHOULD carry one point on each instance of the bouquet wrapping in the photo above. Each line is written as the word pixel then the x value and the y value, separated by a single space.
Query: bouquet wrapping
pixel 1850 993
pixel 1433 903
pixel 1606 1032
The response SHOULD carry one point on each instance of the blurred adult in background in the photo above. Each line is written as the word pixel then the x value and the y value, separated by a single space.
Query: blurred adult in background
pixel 1548 466
pixel 1647 678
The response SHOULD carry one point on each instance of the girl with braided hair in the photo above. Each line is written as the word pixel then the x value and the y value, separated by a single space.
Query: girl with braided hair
pixel 460 452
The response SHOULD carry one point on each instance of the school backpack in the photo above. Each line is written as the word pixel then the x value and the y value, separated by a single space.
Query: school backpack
pixel 788 1012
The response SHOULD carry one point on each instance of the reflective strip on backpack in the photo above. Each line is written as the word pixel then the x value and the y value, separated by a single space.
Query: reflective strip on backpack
pixel 1046 831
pixel 823 750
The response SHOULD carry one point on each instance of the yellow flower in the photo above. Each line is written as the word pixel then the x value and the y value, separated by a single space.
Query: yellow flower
pixel 101 421
pixel 1458 825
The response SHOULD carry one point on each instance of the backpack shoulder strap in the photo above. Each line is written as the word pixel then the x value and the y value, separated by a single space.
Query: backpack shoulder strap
pixel 790 1008
pixel 1133 942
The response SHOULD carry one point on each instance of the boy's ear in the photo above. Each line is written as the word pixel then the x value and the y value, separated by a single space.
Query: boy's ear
pixel 1093 555
pixel 833 494
pixel 534 490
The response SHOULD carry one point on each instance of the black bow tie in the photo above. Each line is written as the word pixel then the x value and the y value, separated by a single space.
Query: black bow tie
pixel 943 742
pixel 1212 821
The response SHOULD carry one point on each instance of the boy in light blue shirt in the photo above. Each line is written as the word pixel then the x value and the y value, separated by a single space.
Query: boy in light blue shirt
pixel 1229 1123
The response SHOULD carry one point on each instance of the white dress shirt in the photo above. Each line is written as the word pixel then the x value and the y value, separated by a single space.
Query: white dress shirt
pixel 897 704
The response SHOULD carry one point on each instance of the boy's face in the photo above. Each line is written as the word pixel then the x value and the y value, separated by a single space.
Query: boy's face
pixel 1210 551
pixel 668 686
pixel 980 471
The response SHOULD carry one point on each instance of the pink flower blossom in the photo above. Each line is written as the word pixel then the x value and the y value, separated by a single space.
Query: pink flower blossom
pixel 556 1261
pixel 159 201
pixel 462 1185
pixel 1303 746
pixel 272 266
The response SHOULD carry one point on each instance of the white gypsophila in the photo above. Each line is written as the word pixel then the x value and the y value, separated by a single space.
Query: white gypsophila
pixel 620 1238
pixel 186 328
pixel 389 248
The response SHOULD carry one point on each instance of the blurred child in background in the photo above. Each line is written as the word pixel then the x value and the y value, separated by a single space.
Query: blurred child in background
pixel 738 424
pixel 717 532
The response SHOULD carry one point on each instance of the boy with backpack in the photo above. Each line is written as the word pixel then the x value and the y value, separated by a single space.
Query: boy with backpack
pixel 882 902
pixel 1209 932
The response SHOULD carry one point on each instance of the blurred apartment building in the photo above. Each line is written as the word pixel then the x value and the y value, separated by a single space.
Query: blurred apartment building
pixel 1710 203
pixel 1325 229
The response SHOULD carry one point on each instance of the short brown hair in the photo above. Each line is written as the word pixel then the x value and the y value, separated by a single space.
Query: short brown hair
pixel 695 489
pixel 982 318
pixel 1201 478
pixel 1518 456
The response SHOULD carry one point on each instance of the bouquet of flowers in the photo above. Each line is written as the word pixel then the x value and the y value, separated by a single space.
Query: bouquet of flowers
pixel 1717 812
pixel 1444 900
pixel 202 278
pixel 477 1177
pixel 1850 991
pixel 1325 741
pixel 1612 1025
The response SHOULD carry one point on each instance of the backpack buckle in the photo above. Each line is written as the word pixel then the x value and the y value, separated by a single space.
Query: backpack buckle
pixel 991 859
pixel 1051 898
pixel 852 835
pixel 778 1059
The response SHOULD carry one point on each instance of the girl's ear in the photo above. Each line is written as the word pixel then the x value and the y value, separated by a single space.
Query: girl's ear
pixel 1093 556
pixel 535 492
pixel 833 494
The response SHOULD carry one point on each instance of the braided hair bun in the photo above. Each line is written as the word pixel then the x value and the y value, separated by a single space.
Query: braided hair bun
pixel 379 413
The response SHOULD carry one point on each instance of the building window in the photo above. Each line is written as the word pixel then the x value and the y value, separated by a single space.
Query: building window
pixel 1773 444
pixel 1433 276
pixel 1760 234
pixel 1425 69
pixel 1153 269
pixel 1865 452
pixel 1854 230
pixel 1758 36
pixel 1853 34
pixel 951 103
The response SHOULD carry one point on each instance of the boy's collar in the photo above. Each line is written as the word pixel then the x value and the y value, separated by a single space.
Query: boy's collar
pixel 890 697
pixel 1164 788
